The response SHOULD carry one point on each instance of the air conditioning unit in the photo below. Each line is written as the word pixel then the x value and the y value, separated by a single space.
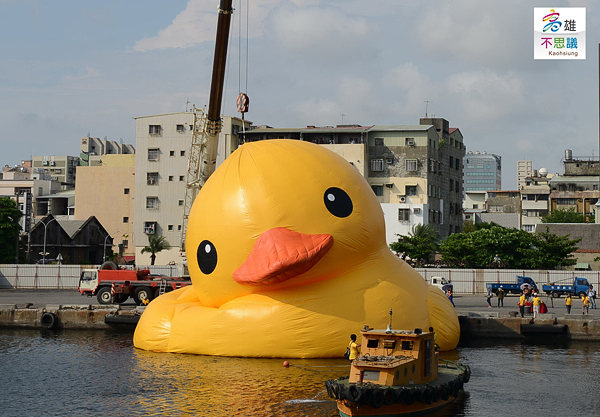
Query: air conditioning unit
pixel 52 163
pixel 45 163
pixel 417 210
pixel 402 199
pixel 54 178
pixel 58 171
pixel 410 142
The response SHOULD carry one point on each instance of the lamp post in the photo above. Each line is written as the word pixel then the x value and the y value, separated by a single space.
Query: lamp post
pixel 45 230
pixel 104 252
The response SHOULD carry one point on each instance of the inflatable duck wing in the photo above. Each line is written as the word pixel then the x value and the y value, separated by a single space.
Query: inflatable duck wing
pixel 287 253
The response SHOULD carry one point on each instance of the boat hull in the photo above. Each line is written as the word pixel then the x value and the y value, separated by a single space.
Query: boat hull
pixel 347 409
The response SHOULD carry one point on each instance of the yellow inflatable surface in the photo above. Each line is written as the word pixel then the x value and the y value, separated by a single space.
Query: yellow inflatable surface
pixel 287 253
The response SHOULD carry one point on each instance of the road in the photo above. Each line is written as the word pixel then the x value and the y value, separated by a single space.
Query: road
pixel 464 303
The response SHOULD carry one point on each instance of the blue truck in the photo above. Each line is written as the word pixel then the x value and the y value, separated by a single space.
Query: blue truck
pixel 579 286
pixel 515 288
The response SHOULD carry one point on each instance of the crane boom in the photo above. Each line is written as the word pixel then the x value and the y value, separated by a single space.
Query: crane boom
pixel 207 125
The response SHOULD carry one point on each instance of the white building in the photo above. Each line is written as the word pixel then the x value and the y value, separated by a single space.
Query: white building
pixel 161 165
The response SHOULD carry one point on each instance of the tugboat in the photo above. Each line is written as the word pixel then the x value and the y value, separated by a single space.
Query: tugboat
pixel 397 373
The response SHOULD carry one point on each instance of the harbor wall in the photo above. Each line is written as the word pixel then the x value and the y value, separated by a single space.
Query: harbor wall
pixel 80 317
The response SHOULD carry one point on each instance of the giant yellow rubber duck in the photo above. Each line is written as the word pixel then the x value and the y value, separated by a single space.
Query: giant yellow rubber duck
pixel 287 254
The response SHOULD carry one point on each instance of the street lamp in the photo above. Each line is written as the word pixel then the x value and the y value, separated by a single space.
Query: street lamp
pixel 104 252
pixel 45 230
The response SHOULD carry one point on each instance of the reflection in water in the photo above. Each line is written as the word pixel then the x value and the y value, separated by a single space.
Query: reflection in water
pixel 100 373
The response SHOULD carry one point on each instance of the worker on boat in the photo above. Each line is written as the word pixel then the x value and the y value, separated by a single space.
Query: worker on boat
pixel 353 348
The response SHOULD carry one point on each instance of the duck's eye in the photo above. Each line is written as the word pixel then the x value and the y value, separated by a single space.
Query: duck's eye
pixel 207 257
pixel 338 202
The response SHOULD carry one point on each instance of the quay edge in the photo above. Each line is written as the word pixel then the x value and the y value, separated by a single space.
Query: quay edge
pixel 580 327
pixel 56 316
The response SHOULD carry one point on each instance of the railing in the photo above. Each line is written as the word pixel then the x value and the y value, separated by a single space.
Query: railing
pixel 25 276
pixel 465 281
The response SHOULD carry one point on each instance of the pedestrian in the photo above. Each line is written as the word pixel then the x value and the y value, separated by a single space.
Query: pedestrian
pixel 500 296
pixel 403 257
pixel 353 348
pixel 450 297
pixel 522 304
pixel 569 303
pixel 536 304
pixel 585 304
pixel 489 296
pixel 592 296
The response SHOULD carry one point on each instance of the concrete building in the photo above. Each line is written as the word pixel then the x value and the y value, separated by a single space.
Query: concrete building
pixel 577 189
pixel 106 192
pixel 59 168
pixel 535 199
pixel 524 170
pixel 161 165
pixel 414 170
pixel 92 150
pixel 482 172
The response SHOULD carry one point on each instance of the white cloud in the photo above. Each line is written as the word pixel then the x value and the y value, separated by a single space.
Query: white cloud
pixel 318 112
pixel 198 22
pixel 318 31
pixel 487 96
pixel 478 33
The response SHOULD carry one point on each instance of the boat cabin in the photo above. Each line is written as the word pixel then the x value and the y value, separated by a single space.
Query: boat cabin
pixel 395 357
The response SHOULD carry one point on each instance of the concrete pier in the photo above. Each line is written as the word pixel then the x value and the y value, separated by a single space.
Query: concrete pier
pixel 572 327
pixel 64 316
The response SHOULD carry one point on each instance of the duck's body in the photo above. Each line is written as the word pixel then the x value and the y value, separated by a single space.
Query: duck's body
pixel 287 254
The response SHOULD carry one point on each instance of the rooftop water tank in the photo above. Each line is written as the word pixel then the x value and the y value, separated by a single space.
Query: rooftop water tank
pixel 543 172
pixel 568 155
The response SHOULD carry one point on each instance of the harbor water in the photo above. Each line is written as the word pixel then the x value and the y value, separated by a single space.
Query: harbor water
pixel 100 373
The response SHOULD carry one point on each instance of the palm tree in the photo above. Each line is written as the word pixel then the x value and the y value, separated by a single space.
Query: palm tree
pixel 155 245
pixel 419 244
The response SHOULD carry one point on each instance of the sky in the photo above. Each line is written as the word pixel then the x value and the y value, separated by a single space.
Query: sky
pixel 70 68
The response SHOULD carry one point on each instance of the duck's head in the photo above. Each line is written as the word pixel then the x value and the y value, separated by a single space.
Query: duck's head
pixel 280 213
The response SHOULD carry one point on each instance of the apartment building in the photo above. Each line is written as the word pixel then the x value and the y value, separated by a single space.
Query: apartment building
pixel 59 168
pixel 161 164
pixel 524 170
pixel 535 199
pixel 92 150
pixel 414 170
pixel 106 192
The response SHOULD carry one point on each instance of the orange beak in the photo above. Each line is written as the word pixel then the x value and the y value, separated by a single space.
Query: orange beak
pixel 280 254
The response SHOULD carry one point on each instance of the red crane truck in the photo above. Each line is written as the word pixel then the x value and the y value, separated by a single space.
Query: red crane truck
pixel 117 285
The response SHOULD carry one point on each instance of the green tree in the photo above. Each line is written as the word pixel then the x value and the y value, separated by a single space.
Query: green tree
pixel 156 244
pixel 516 249
pixel 10 229
pixel 421 242
pixel 565 216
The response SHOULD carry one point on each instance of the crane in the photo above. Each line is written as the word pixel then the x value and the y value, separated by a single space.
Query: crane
pixel 207 124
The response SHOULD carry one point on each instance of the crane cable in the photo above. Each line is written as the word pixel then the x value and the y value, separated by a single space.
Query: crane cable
pixel 243 101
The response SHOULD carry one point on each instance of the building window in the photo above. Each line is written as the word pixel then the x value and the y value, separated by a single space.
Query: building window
pixel 170 178
pixel 376 165
pixel 378 190
pixel 457 163
pixel 529 227
pixel 411 164
pixel 182 153
pixel 125 191
pixel 170 228
pixel 178 227
pixel 181 178
pixel 410 142
pixel 125 243
pixel 181 202
pixel 171 153
pixel 475 206
pixel 152 178
pixel 378 141
pixel 410 190
pixel 152 203
pixel 154 130
pixel 153 154
pixel 180 129
pixel 451 185
pixel 125 219
pixel 150 228
pixel 403 215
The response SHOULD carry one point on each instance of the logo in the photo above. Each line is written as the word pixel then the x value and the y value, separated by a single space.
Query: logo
pixel 559 33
